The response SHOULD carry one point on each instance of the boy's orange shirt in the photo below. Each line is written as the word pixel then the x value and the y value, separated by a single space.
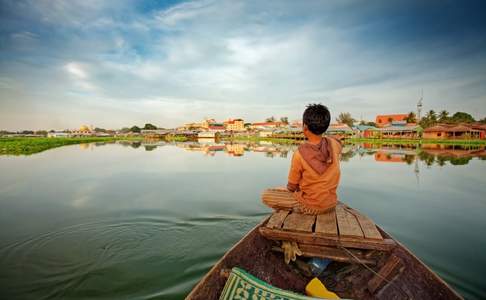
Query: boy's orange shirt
pixel 315 170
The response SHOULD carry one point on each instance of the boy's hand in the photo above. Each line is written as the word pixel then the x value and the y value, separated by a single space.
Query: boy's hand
pixel 292 187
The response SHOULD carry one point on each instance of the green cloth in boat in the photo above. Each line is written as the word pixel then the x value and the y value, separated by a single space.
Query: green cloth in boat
pixel 242 285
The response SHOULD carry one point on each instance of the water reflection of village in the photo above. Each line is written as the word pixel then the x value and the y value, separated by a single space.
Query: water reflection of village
pixel 430 154
pixel 239 149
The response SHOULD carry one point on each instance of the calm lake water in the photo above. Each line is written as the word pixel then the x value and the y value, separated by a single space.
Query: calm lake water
pixel 147 221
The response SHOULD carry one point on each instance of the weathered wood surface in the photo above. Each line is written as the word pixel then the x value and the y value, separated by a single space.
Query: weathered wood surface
pixel 339 227
pixel 367 225
pixel 347 223
pixel 334 254
pixel 416 281
pixel 252 253
pixel 326 223
pixel 277 219
pixel 299 222
pixel 316 239
pixel 384 273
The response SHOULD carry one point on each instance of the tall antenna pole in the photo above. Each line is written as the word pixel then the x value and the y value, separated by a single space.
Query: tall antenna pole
pixel 419 106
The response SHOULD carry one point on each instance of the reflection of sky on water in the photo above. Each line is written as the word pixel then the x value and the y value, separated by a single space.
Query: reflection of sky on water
pixel 201 198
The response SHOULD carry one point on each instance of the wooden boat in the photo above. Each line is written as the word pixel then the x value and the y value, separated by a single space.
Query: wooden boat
pixel 412 279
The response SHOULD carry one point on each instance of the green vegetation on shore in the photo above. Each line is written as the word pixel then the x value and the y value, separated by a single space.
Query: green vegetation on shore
pixel 27 146
pixel 176 138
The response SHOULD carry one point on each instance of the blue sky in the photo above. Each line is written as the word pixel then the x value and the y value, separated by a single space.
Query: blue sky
pixel 119 63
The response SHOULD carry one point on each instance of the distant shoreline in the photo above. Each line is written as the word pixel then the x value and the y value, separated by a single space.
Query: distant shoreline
pixel 32 145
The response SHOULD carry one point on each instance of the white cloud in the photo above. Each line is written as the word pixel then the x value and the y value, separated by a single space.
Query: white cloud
pixel 182 12
pixel 248 59
pixel 77 70
pixel 80 76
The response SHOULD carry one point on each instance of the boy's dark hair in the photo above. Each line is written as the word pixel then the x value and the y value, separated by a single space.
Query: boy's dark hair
pixel 317 118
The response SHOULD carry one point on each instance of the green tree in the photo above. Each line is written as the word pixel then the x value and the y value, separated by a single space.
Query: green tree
pixel 270 119
pixel 430 119
pixel 284 120
pixel 363 122
pixel 135 129
pixel 97 129
pixel 432 116
pixel 411 118
pixel 149 126
pixel 345 118
pixel 444 116
pixel 460 117
pixel 483 120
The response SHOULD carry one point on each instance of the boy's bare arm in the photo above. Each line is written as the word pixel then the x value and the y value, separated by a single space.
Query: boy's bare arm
pixel 295 173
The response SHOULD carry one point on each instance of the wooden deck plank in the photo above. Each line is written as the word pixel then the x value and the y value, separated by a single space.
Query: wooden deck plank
pixel 277 219
pixel 367 226
pixel 347 223
pixel 299 222
pixel 326 223
pixel 326 240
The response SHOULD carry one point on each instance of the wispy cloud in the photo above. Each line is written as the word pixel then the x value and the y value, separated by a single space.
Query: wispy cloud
pixel 71 59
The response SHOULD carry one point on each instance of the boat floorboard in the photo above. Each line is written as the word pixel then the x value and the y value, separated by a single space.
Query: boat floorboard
pixel 407 277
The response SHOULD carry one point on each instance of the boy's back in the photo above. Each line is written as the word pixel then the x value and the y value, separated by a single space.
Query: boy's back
pixel 314 173
pixel 315 170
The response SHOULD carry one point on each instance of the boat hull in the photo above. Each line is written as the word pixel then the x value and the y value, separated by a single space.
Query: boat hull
pixel 254 254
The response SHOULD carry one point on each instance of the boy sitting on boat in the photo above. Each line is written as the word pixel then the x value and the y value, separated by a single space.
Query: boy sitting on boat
pixel 314 172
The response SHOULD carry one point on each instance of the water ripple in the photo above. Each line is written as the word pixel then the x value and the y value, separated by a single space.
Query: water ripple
pixel 102 258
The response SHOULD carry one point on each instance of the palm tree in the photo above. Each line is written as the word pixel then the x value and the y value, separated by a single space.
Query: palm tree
pixel 431 115
pixel 443 116
pixel 411 118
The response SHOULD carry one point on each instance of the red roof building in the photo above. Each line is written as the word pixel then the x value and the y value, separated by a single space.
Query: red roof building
pixel 453 131
pixel 385 120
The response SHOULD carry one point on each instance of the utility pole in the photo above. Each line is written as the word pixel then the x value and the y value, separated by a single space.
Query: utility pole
pixel 419 106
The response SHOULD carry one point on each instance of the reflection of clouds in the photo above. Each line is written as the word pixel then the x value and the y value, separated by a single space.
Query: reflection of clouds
pixel 83 194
